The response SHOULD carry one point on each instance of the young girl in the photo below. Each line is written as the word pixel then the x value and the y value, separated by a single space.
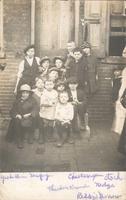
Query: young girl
pixel 23 113
pixel 63 116
pixel 47 107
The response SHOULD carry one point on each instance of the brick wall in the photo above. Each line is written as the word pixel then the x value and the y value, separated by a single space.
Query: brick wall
pixel 16 24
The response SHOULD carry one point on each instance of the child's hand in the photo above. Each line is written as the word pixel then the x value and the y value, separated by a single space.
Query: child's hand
pixel 18 116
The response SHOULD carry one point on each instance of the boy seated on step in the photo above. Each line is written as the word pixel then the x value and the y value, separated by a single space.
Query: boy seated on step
pixel 48 103
pixel 63 117
pixel 78 98
pixel 23 113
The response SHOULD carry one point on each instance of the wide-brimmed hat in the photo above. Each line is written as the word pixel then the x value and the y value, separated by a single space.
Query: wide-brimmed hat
pixel 31 46
pixel 86 45
pixel 44 59
pixel 25 87
pixel 58 58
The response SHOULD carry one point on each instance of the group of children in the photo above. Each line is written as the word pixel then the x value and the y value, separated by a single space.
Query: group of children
pixel 51 97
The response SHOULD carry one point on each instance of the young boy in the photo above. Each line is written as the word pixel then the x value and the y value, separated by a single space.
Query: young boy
pixel 44 67
pixel 60 86
pixel 37 93
pixel 28 68
pixel 47 107
pixel 92 67
pixel 63 116
pixel 53 75
pixel 23 113
pixel 78 98
pixel 59 64
pixel 70 56
pixel 78 68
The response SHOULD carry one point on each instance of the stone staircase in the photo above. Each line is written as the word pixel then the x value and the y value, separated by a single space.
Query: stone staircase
pixel 7 83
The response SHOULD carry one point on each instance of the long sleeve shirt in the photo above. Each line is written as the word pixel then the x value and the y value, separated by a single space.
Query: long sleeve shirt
pixel 48 103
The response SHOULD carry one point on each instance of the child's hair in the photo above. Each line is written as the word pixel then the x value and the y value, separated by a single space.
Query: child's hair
pixel 63 92
pixel 78 49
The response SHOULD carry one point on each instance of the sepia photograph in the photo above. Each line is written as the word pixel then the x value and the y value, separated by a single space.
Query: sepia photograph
pixel 63 86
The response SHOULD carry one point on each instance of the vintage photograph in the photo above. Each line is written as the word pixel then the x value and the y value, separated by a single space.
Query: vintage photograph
pixel 62 85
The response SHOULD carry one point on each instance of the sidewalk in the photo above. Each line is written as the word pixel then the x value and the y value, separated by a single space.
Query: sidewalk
pixel 97 154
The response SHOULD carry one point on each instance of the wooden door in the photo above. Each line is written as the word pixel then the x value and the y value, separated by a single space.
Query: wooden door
pixel 97 21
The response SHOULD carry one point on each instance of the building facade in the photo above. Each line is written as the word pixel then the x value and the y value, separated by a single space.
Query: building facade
pixel 51 23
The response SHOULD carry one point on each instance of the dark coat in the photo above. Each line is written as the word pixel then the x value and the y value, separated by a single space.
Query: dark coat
pixel 25 107
pixel 79 70
pixel 81 96
pixel 29 74
pixel 92 73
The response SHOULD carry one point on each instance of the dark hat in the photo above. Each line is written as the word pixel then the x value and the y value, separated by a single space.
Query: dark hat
pixel 86 45
pixel 58 58
pixel 44 59
pixel 32 46
pixel 72 79
pixel 53 69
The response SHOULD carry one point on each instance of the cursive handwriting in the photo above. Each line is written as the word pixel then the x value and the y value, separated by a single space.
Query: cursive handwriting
pixel 55 188
pixel 104 185
pixel 92 176
pixel 97 196
pixel 13 176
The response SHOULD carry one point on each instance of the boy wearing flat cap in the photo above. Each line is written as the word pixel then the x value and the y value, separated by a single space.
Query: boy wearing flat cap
pixel 59 64
pixel 92 67
pixel 28 68
pixel 44 67
pixel 23 113
pixel 78 98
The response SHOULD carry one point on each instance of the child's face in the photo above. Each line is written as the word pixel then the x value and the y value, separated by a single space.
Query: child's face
pixel 39 84
pixel 58 63
pixel 53 75
pixel 87 51
pixel 45 64
pixel 25 95
pixel 30 53
pixel 77 55
pixel 61 88
pixel 63 98
pixel 70 46
pixel 49 85
pixel 73 86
